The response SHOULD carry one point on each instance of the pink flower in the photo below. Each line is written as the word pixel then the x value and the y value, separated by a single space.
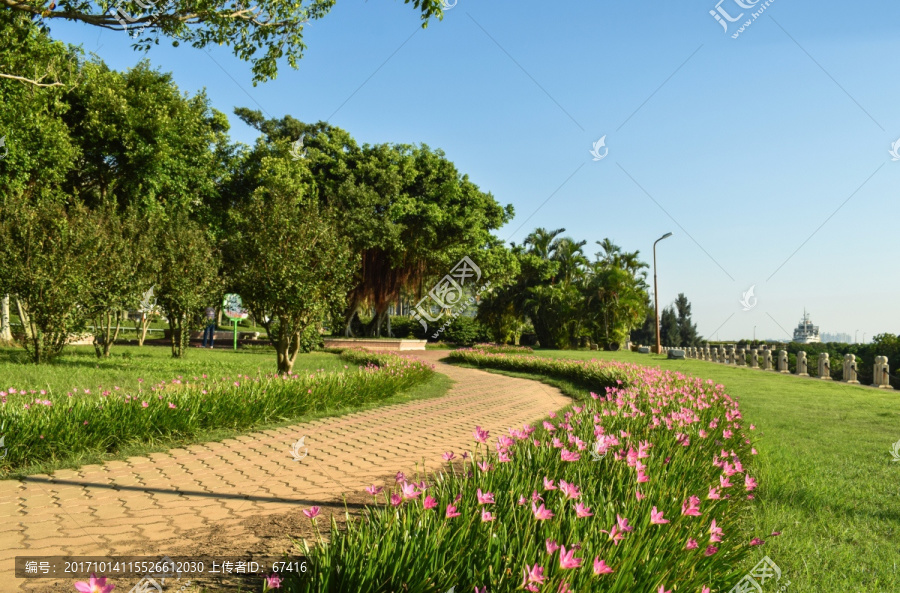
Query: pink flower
pixel 396 500
pixel 567 455
pixel 409 491
pixel 429 503
pixel 481 436
pixel 623 524
pixel 548 484
pixel 522 501
pixel 582 511
pixel 663 590
pixel 448 456
pixel 400 477
pixel 486 516
pixel 552 546
pixel 691 507
pixel 171 406
pixel 451 512
pixel 541 513
pixel 485 466
pixel 656 517
pixel 570 490
pixel 374 490
pixel 312 512
pixel 273 582
pixel 710 550
pixel 715 533
pixel 486 498
pixel 705 589
pixel 756 542
pixel 749 483
pixel 534 574
pixel 714 494
pixel 639 495
pixel 94 586
pixel 775 533
pixel 753 451
pixel 564 588
pixel 549 427
pixel 600 567
pixel 614 534
pixel 724 481
pixel 692 544
pixel 567 559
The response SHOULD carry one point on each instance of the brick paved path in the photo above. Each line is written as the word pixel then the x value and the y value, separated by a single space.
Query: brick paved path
pixel 175 502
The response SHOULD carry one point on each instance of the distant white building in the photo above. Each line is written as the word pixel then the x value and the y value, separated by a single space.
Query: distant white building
pixel 806 332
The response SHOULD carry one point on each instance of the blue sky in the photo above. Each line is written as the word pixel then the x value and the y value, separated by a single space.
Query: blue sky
pixel 767 155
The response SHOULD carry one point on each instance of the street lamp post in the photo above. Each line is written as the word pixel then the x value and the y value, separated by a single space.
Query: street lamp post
pixel 656 292
pixel 856 337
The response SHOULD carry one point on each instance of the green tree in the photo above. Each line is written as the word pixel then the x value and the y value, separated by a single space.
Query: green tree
pixel 292 265
pixel 44 257
pixel 275 26
pixel 669 333
pixel 186 274
pixel 687 330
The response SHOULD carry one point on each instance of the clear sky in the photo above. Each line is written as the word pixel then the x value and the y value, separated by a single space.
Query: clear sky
pixel 766 155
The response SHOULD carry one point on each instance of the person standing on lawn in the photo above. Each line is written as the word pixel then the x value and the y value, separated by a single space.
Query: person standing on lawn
pixel 210 331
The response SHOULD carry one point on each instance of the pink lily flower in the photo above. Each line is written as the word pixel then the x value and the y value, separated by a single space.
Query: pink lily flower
pixel 548 484
pixel 96 585
pixel 691 507
pixel 481 436
pixel 537 497
pixel 756 542
pixel 396 500
pixel 715 533
pixel 448 456
pixel 522 500
pixel 749 483
pixel 486 498
pixel 485 466
pixel 639 495
pixel 710 550
pixel 534 574
pixel 273 582
pixel 374 490
pixel 542 513
pixel 400 477
pixel 549 427
pixel 567 455
pixel 451 512
pixel 663 590
pixel 552 546
pixel 623 524
pixel 567 559
pixel 656 517
pixel 600 567
pixel 570 490
pixel 705 589
pixel 724 481
pixel 486 516
pixel 692 545
pixel 713 494
pixel 312 512
pixel 614 534
pixel 409 491
pixel 582 511
pixel 429 503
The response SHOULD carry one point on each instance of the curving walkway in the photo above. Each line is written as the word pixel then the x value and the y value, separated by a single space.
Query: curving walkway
pixel 246 493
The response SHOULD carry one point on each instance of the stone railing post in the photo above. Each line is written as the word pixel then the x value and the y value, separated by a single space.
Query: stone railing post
pixel 767 360
pixel 801 364
pixel 882 373
pixel 721 350
pixel 849 375
pixel 783 362
pixel 754 358
pixel 824 367
pixel 741 357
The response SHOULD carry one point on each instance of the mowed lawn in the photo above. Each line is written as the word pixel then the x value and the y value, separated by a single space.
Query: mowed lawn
pixel 828 481
pixel 79 368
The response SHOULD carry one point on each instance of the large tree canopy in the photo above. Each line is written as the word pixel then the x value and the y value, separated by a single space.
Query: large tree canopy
pixel 275 26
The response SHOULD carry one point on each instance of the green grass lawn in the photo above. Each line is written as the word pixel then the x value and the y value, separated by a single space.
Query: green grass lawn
pixel 80 368
pixel 828 482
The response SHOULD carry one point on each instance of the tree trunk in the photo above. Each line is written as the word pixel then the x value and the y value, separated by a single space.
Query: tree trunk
pixel 287 348
pixel 5 329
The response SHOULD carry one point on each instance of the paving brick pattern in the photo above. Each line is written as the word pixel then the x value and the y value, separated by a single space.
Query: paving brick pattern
pixel 124 506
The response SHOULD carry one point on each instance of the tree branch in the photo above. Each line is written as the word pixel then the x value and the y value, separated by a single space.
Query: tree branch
pixel 28 80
